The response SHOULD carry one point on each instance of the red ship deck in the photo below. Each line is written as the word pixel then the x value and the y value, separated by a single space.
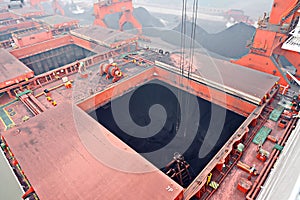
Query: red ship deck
pixel 58 21
pixel 12 70
pixel 233 76
pixel 203 77
pixel 59 167
pixel 103 36
pixel 55 157
pixel 49 45
pixel 7 15
pixel 18 27
pixel 28 12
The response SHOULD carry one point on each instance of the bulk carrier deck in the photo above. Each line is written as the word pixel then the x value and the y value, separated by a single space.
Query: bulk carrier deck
pixel 61 142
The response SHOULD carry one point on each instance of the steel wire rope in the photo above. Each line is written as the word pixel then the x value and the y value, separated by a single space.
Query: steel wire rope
pixel 182 58
pixel 193 36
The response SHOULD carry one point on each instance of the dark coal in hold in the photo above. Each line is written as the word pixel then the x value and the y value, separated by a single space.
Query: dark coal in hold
pixel 158 93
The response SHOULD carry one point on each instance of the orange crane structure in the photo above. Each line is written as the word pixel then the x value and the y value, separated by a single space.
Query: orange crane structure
pixel 55 5
pixel 277 35
pixel 105 7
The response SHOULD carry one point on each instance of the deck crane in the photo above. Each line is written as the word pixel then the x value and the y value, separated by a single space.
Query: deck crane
pixel 277 35
pixel 105 7
pixel 55 5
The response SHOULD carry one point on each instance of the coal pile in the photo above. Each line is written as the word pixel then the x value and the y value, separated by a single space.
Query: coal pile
pixel 145 18
pixel 212 26
pixel 112 20
pixel 230 42
pixel 141 14
pixel 174 36
pixel 188 26
pixel 194 115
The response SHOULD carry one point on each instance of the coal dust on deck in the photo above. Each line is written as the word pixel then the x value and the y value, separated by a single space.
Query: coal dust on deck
pixel 158 120
pixel 55 58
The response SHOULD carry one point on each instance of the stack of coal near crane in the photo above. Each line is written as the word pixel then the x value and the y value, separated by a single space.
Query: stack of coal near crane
pixel 124 7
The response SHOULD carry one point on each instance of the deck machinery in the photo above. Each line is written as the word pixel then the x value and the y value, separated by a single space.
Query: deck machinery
pixel 55 144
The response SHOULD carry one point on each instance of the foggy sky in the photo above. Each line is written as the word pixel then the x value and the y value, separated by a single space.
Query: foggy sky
pixel 254 8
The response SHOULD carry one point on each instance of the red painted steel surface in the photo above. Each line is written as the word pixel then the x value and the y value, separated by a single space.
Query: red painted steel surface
pixel 111 92
pixel 22 25
pixel 104 36
pixel 22 40
pixel 42 47
pixel 29 12
pixel 52 44
pixel 7 15
pixel 86 44
pixel 59 166
pixel 101 9
pixel 58 21
pixel 248 81
pixel 12 70
pixel 228 101
pixel 280 9
pixel 59 141
pixel 268 39
pixel 215 96
pixel 244 185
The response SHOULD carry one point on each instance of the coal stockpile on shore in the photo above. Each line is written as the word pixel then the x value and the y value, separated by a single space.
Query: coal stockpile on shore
pixel 230 43
pixel 150 125
pixel 145 18
pixel 201 34
pixel 174 36
pixel 142 16
pixel 188 27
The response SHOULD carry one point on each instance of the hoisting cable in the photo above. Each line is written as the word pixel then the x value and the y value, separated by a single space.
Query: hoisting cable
pixel 193 36
pixel 182 34
pixel 182 59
